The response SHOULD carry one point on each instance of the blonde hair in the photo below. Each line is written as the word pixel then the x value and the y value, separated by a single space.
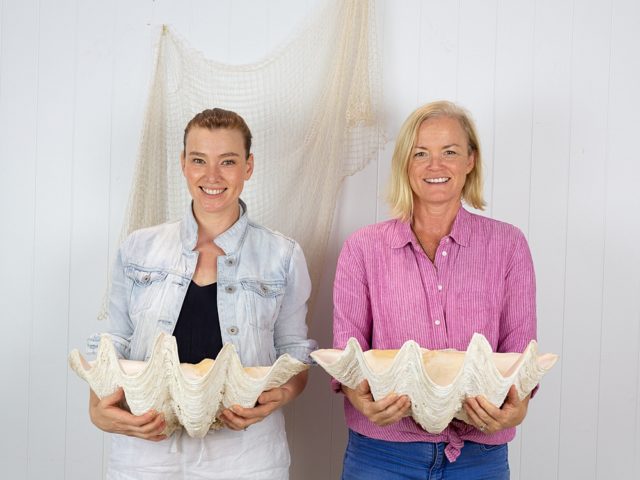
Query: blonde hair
pixel 400 195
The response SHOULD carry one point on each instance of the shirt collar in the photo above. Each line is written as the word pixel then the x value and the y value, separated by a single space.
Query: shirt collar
pixel 229 241
pixel 460 231
pixel 461 228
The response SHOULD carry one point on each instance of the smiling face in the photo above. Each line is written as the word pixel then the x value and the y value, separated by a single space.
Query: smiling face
pixel 215 166
pixel 440 162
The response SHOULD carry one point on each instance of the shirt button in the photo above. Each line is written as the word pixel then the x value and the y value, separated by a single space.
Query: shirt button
pixel 232 330
pixel 437 322
pixel 229 262
pixel 439 287
pixel 229 289
pixel 444 254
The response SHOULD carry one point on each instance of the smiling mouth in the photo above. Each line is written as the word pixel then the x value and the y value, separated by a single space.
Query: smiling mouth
pixel 437 180
pixel 212 191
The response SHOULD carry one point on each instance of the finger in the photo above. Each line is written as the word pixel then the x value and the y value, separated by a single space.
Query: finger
pixel 235 422
pixel 386 402
pixel 255 413
pixel 153 428
pixel 394 412
pixel 488 408
pixel 230 420
pixel 140 420
pixel 475 420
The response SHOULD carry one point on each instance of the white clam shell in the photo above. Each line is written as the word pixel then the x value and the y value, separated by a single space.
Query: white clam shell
pixel 187 395
pixel 438 381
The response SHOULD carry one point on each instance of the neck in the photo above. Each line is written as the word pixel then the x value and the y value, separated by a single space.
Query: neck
pixel 434 220
pixel 211 225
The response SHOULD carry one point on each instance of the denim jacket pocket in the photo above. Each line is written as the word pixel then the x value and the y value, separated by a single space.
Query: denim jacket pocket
pixel 263 301
pixel 147 288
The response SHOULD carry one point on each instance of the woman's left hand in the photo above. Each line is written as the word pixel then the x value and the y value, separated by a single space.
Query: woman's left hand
pixel 488 418
pixel 239 418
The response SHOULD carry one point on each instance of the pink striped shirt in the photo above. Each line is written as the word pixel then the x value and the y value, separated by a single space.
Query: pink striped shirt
pixel 387 291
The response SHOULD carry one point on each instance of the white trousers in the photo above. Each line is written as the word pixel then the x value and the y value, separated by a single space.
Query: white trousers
pixel 259 453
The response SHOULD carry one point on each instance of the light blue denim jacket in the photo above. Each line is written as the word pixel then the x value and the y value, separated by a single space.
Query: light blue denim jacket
pixel 263 288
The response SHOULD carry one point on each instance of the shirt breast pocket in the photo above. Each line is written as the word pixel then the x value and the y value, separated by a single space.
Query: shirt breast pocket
pixel 477 308
pixel 148 288
pixel 263 300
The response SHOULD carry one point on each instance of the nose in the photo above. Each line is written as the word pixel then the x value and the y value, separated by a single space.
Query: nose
pixel 213 171
pixel 434 161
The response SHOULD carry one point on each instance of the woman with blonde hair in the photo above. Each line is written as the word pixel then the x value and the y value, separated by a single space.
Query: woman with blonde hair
pixel 436 273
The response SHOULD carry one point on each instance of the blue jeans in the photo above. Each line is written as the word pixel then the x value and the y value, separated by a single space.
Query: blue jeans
pixel 371 459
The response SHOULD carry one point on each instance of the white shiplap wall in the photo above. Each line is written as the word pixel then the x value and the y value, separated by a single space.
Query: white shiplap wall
pixel 553 87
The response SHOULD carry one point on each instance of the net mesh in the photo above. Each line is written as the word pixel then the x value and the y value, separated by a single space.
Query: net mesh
pixel 312 109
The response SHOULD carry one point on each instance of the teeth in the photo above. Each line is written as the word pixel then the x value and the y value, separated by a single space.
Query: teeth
pixel 210 191
pixel 436 180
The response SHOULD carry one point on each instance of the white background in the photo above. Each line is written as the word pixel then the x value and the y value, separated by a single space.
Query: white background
pixel 554 87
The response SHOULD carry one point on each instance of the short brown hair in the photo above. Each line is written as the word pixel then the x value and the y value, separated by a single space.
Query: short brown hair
pixel 400 195
pixel 214 118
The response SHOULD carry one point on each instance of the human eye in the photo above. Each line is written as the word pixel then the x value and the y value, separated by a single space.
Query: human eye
pixel 420 154
pixel 197 161
pixel 450 153
pixel 228 162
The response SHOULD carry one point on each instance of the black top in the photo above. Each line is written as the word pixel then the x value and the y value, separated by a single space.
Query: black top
pixel 197 330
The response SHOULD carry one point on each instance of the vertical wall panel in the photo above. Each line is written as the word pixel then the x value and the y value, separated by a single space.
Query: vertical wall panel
pixel 210 29
pixel 92 146
pixel 547 222
pixel 476 76
pixel 438 50
pixel 400 59
pixel 636 439
pixel 133 52
pixel 247 46
pixel 53 134
pixel 314 411
pixel 513 108
pixel 18 140
pixel 580 365
pixel 178 15
pixel 621 282
pixel 509 197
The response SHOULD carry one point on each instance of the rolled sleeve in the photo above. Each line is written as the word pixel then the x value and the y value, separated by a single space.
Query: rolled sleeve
pixel 352 315
pixel 120 326
pixel 518 324
pixel 290 331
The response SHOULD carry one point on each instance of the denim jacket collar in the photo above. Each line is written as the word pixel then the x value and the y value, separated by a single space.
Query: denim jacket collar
pixel 229 241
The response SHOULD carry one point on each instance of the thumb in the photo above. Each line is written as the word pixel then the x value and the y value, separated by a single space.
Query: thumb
pixel 512 395
pixel 267 396
pixel 363 387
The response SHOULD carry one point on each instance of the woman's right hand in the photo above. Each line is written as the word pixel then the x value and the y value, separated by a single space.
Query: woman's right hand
pixel 385 411
pixel 107 415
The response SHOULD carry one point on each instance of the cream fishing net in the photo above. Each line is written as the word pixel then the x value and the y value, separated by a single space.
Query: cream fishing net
pixel 312 110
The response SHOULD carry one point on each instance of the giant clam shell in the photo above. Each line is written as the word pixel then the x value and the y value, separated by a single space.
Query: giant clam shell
pixel 188 395
pixel 438 381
